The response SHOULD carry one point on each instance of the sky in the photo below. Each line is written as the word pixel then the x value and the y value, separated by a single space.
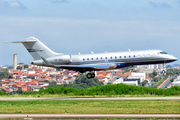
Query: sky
pixel 73 26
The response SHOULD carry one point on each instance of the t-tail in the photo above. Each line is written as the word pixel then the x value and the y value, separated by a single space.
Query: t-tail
pixel 36 48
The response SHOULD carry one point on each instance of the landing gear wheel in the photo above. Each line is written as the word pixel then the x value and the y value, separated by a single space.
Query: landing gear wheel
pixel 89 75
pixel 93 75
pixel 163 71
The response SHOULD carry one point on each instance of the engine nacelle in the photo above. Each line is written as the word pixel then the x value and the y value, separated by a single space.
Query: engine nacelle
pixel 64 59
pixel 37 62
pixel 57 60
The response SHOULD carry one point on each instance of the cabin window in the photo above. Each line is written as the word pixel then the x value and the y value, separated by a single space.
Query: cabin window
pixel 55 60
pixel 91 58
pixel 97 58
pixel 101 58
pixel 115 57
pixel 87 58
pixel 111 57
pixel 106 58
pixel 83 59
pixel 119 56
pixel 163 52
pixel 124 56
pixel 134 56
pixel 129 56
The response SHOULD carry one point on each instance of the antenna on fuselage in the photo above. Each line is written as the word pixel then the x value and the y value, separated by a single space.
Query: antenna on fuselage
pixel 79 53
pixel 91 52
pixel 129 49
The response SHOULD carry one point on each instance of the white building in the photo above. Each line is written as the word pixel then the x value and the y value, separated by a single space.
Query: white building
pixel 142 76
pixel 152 66
pixel 120 80
pixel 176 83
pixel 131 82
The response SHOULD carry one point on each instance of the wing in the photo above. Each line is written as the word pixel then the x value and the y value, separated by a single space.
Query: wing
pixel 93 66
pixel 88 67
pixel 83 67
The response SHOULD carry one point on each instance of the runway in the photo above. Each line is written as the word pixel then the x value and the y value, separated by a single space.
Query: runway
pixel 76 116
pixel 87 98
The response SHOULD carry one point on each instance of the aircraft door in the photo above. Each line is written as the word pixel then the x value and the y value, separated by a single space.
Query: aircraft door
pixel 70 58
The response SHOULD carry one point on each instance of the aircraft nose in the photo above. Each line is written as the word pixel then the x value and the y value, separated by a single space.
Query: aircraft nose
pixel 174 58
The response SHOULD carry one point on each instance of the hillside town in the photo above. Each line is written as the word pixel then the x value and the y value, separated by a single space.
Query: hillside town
pixel 35 77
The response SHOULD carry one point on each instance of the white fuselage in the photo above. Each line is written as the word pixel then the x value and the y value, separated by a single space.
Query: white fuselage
pixel 121 59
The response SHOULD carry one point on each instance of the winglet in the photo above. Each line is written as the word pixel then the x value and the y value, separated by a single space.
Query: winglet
pixel 47 62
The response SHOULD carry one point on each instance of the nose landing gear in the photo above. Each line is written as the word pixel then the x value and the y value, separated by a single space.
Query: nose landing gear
pixel 90 75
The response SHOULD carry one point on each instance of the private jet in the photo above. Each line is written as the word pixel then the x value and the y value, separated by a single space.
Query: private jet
pixel 43 56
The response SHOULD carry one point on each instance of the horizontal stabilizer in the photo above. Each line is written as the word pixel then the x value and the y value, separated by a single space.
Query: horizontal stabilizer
pixel 21 41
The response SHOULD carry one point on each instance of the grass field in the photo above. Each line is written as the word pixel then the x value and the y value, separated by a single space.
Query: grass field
pixel 69 95
pixel 87 106
pixel 100 119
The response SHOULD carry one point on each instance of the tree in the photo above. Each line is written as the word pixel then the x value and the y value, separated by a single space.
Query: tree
pixel 53 84
pixel 4 73
pixel 47 81
pixel 156 79
pixel 83 82
pixel 19 91
pixel 10 77
pixel 3 92
pixel 144 82
pixel 26 66
pixel 151 75
pixel 19 68
pixel 172 80
pixel 154 73
pixel 10 67
pixel 172 72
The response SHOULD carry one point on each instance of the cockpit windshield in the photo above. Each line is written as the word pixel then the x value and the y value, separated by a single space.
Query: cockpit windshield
pixel 163 52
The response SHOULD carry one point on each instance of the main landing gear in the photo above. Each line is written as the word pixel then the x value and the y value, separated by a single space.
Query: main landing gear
pixel 90 75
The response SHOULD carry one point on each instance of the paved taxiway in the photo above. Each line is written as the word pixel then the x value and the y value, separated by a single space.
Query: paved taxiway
pixel 87 98
pixel 53 116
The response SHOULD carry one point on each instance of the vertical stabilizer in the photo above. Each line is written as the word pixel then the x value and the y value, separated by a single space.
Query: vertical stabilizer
pixel 36 48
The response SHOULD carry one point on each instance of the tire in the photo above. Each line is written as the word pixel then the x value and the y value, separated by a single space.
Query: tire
pixel 163 71
pixel 93 75
pixel 89 75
